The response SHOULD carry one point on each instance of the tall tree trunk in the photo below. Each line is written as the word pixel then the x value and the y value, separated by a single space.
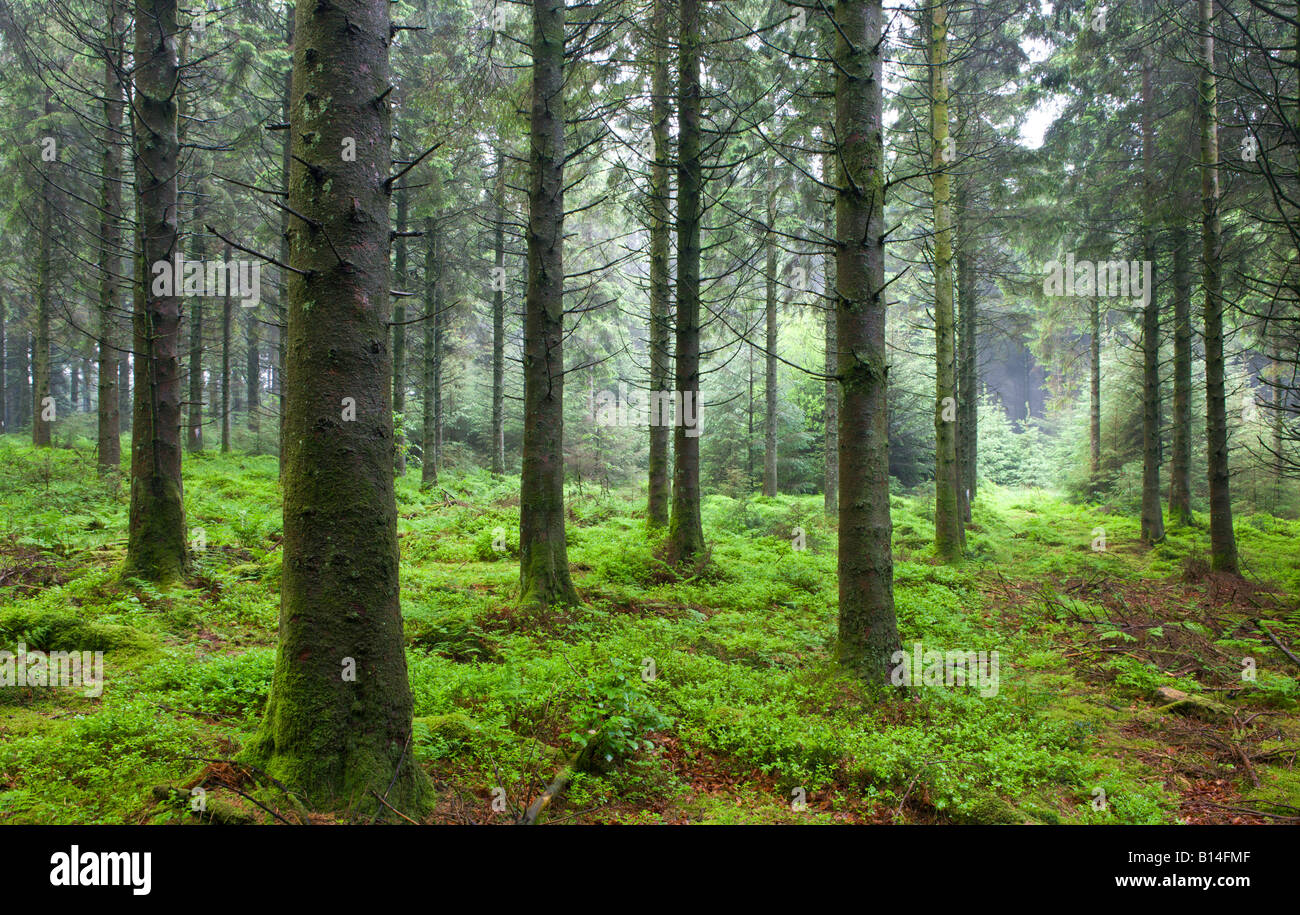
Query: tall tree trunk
pixel 686 529
pixel 338 720
pixel 769 380
pixel 949 532
pixel 43 408
pixel 194 435
pixel 156 541
pixel 432 305
pixel 543 555
pixel 831 485
pixel 227 308
pixel 399 326
pixel 1094 397
pixel 967 353
pixel 252 370
pixel 660 493
pixel 499 324
pixel 126 378
pixel 109 417
pixel 4 368
pixel 286 162
pixel 1223 542
pixel 1153 522
pixel 1180 471
pixel 868 628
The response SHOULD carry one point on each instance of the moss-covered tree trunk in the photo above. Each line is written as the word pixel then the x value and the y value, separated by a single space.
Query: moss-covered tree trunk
pixel 657 503
pixel 432 356
pixel 338 720
pixel 686 529
pixel 543 555
pixel 1223 542
pixel 156 538
pixel 868 629
pixel 109 417
pixel 1180 469
pixel 1153 522
pixel 949 532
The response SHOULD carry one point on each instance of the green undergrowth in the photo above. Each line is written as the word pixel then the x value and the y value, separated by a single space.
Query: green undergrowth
pixel 706 699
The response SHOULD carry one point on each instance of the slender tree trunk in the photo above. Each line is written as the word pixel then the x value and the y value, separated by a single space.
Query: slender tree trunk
pixel 1223 542
pixel 194 435
pixel 43 407
pixel 949 532
pixel 660 492
pixel 109 450
pixel 227 308
pixel 1094 397
pixel 4 368
pixel 769 380
pixel 543 555
pixel 686 529
pixel 125 380
pixel 831 495
pixel 432 305
pixel 1180 472
pixel 156 542
pixel 499 324
pixel 286 162
pixel 252 370
pixel 868 628
pixel 967 354
pixel 1153 523
pixel 399 326
pixel 338 720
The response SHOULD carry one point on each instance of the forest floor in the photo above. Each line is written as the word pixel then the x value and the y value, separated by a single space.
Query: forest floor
pixel 712 700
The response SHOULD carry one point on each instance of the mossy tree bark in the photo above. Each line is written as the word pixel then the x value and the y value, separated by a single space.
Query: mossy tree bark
pixel 950 533
pixel 868 629
pixel 338 721
pixel 109 417
pixel 543 555
pixel 1223 542
pixel 657 503
pixel 685 528
pixel 156 537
